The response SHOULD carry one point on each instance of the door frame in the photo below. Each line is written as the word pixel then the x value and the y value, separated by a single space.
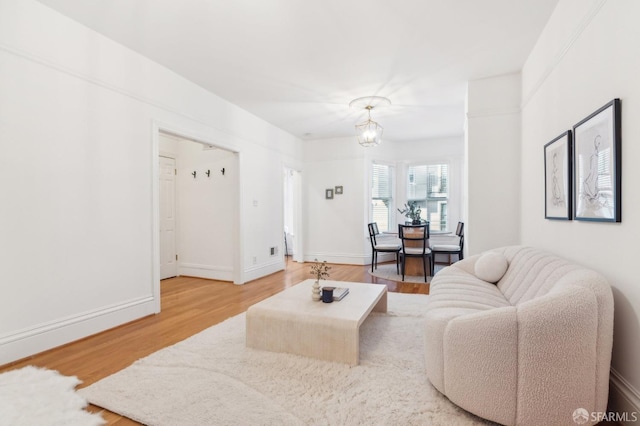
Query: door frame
pixel 207 136
pixel 298 217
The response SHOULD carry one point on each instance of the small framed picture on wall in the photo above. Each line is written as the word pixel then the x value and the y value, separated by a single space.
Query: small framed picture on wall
pixel 328 194
pixel 557 178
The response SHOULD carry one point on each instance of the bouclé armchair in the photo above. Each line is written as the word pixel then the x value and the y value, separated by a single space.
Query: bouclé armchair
pixel 520 336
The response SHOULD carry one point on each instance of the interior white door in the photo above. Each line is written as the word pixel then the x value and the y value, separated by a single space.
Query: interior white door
pixel 168 255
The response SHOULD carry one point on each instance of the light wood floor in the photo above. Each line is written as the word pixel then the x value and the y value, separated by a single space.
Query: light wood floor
pixel 189 305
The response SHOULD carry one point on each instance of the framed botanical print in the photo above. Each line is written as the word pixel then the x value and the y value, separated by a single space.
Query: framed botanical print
pixel 557 178
pixel 597 165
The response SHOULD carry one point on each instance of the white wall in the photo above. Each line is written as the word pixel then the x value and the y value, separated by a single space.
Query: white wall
pixel 336 230
pixel 587 56
pixel 262 211
pixel 206 208
pixel 78 136
pixel 207 212
pixel 493 163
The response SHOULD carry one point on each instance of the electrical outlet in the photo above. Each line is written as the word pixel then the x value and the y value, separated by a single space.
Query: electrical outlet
pixel 255 260
pixel 273 251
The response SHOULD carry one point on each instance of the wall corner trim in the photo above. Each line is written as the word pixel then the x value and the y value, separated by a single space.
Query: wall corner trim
pixel 623 397
pixel 566 46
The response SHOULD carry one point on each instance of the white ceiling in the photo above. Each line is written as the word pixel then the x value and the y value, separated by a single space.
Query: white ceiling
pixel 298 64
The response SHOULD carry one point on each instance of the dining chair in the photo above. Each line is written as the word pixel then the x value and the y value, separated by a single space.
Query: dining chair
pixel 451 248
pixel 415 243
pixel 384 248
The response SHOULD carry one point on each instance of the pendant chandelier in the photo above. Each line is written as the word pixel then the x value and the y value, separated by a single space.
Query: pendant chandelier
pixel 369 132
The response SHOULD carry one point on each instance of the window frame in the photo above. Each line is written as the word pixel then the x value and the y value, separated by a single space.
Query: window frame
pixel 391 221
pixel 427 200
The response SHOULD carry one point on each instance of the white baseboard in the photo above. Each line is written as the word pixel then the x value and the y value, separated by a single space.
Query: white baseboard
pixel 206 271
pixel 339 258
pixel 623 397
pixel 39 338
pixel 382 257
pixel 255 272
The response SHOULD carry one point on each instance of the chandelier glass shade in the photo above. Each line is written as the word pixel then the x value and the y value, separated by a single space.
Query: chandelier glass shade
pixel 369 132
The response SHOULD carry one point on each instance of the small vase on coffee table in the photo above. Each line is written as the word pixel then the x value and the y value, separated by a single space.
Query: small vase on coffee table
pixel 315 291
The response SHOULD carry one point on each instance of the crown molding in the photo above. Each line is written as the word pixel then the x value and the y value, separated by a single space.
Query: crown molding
pixel 566 47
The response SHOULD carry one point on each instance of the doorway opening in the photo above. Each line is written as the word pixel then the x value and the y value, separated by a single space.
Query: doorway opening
pixel 198 189
pixel 293 215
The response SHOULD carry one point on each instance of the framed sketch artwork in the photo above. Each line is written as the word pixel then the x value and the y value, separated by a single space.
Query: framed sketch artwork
pixel 328 194
pixel 557 178
pixel 597 165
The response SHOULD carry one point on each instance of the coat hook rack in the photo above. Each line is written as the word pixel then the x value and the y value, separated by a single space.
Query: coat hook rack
pixel 194 174
pixel 222 171
pixel 208 173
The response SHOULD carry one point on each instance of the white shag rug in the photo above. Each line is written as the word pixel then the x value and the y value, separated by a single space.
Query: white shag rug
pixel 36 396
pixel 211 378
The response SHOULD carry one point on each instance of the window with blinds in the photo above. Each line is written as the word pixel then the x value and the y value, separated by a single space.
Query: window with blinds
pixel 428 185
pixel 382 196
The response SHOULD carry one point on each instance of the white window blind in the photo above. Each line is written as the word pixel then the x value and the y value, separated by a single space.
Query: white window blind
pixel 382 196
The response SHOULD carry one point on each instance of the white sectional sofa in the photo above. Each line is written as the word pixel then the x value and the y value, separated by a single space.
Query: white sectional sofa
pixel 520 337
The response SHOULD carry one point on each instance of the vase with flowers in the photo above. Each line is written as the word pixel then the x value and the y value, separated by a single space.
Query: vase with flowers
pixel 320 270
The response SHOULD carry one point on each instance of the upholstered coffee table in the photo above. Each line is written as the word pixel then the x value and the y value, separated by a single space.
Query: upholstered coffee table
pixel 292 322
